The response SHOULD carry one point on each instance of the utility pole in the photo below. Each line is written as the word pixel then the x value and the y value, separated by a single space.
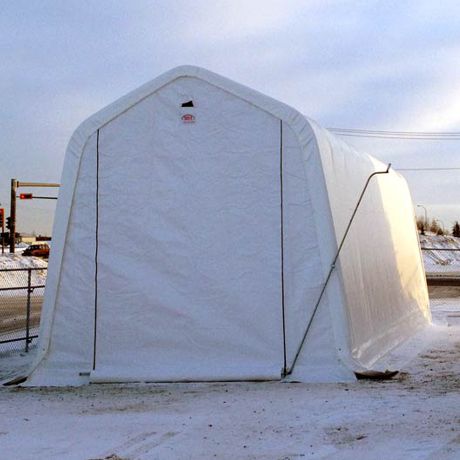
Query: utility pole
pixel 14 185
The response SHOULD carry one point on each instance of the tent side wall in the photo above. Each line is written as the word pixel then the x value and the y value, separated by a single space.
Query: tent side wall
pixel 309 249
pixel 383 276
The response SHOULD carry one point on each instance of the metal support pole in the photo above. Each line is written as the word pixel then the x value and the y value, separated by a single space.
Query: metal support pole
pixel 3 233
pixel 37 184
pixel 29 291
pixel 332 267
pixel 14 184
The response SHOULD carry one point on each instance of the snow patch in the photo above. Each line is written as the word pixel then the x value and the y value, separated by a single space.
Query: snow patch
pixel 10 279
pixel 446 260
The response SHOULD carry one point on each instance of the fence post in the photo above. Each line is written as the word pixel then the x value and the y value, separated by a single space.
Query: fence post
pixel 29 291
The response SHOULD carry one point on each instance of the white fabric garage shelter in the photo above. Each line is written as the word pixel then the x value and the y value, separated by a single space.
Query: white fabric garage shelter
pixel 196 225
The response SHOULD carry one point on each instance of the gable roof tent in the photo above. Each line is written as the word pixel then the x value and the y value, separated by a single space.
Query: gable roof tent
pixel 230 206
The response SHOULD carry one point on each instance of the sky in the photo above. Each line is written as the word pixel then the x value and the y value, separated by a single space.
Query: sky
pixel 384 65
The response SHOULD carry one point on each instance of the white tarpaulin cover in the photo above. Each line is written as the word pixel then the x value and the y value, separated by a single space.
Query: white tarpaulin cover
pixel 196 225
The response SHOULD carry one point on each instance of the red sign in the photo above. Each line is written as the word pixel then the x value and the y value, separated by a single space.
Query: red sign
pixel 188 118
pixel 2 217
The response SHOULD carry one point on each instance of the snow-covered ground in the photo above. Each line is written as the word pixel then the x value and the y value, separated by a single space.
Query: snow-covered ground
pixel 8 260
pixel 444 262
pixel 14 362
pixel 20 247
pixel 415 416
pixel 19 278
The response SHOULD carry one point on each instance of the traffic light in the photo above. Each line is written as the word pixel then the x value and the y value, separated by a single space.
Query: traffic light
pixel 26 196
pixel 2 217
pixel 8 223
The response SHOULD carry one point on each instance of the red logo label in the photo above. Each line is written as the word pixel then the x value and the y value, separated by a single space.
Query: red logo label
pixel 188 118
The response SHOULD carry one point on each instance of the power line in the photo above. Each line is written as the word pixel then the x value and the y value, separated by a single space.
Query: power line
pixel 409 138
pixel 429 169
pixel 399 135
pixel 418 135
pixel 414 133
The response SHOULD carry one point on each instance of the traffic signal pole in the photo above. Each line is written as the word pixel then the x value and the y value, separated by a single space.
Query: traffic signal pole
pixel 2 218
pixel 14 185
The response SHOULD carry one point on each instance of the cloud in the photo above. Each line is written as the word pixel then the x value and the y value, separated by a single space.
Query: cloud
pixel 385 65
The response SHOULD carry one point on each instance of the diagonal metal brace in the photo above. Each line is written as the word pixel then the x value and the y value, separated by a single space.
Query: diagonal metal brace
pixel 331 269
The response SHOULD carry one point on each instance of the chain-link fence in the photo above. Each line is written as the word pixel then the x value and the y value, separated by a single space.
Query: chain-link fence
pixel 442 265
pixel 442 268
pixel 21 298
